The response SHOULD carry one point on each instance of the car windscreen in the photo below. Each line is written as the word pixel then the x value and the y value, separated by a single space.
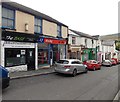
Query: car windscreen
pixel 63 62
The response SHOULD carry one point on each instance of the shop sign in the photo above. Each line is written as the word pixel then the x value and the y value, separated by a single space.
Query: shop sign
pixel 20 37
pixel 41 40
pixel 9 44
pixel 54 41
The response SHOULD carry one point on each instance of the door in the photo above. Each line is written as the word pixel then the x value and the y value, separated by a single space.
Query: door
pixel 31 59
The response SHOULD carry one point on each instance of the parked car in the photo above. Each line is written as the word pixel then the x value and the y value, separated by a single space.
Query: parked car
pixel 4 76
pixel 116 60
pixel 113 62
pixel 92 64
pixel 107 63
pixel 70 66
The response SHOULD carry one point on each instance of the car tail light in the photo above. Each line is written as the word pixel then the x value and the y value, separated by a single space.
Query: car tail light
pixel 67 66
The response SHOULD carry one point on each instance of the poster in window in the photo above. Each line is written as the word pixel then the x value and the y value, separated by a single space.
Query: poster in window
pixel 18 55
pixel 22 52
pixel 30 53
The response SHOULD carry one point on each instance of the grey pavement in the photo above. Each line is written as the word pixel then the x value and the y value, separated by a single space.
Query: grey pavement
pixel 24 74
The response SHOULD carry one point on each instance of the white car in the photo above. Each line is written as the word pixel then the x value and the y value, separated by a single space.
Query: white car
pixel 107 63
pixel 70 66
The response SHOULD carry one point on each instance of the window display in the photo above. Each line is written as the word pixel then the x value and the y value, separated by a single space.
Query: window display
pixel 43 57
pixel 15 57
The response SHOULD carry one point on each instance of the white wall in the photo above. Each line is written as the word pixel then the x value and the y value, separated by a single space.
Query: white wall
pixel 81 40
pixel 72 34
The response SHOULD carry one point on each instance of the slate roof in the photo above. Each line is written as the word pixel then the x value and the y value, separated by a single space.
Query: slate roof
pixel 20 7
pixel 83 34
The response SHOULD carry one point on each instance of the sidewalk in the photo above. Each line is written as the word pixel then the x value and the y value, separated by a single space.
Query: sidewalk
pixel 25 74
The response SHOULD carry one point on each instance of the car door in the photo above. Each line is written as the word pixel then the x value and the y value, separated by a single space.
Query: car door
pixel 96 64
pixel 80 66
pixel 74 65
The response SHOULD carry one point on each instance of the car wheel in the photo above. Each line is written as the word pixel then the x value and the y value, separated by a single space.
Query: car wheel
pixel 110 65
pixel 86 70
pixel 94 69
pixel 74 72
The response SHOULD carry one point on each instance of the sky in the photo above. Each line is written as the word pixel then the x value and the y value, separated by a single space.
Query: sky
pixel 94 17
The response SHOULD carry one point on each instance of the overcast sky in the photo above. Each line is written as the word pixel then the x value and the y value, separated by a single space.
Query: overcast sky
pixel 94 17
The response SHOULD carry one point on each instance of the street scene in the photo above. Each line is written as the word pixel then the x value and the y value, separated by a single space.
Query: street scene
pixel 42 58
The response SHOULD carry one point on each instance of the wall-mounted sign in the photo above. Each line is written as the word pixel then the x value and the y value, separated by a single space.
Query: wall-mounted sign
pixel 41 40
pixel 20 37
pixel 54 41
pixel 117 45
pixel 13 44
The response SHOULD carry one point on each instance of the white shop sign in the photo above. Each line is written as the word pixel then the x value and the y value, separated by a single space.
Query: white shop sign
pixel 10 44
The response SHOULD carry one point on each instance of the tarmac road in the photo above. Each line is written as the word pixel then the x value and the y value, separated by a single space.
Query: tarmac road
pixel 95 85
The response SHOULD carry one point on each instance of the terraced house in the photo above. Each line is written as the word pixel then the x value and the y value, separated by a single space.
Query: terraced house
pixel 30 39
pixel 82 46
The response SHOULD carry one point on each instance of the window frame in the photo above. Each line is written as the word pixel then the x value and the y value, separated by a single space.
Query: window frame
pixel 7 18
pixel 77 62
pixel 59 31
pixel 73 38
pixel 14 49
pixel 39 26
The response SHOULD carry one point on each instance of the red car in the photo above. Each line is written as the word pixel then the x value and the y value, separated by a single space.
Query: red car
pixel 115 60
pixel 92 64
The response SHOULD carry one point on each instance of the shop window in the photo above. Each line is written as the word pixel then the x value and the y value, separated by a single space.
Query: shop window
pixel 59 31
pixel 38 26
pixel 73 40
pixel 8 18
pixel 15 57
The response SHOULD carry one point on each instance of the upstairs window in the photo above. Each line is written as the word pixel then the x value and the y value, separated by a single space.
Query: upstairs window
pixel 85 42
pixel 73 40
pixel 38 26
pixel 59 31
pixel 8 18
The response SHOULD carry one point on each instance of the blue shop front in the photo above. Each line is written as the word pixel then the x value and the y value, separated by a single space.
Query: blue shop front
pixel 50 50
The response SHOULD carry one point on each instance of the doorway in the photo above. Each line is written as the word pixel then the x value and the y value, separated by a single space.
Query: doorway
pixel 31 59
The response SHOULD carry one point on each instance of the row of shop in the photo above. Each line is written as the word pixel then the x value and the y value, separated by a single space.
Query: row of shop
pixel 82 53
pixel 91 54
pixel 29 52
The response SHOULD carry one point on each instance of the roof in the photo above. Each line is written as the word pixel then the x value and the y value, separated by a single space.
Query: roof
pixel 83 34
pixel 96 36
pixel 31 11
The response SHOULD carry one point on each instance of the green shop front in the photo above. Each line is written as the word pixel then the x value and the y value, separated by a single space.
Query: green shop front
pixel 89 54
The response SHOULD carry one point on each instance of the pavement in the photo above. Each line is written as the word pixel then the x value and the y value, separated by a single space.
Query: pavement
pixel 25 74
